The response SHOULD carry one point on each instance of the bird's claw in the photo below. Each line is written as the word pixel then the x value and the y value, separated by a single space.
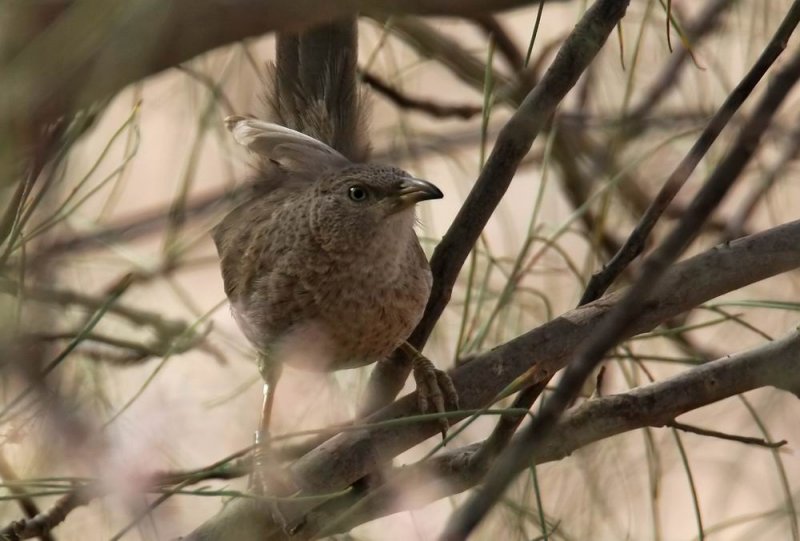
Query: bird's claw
pixel 434 386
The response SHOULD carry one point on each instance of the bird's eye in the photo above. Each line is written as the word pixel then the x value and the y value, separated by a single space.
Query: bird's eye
pixel 357 193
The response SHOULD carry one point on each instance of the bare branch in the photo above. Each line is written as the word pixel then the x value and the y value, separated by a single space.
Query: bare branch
pixel 761 442
pixel 27 504
pixel 41 524
pixel 439 110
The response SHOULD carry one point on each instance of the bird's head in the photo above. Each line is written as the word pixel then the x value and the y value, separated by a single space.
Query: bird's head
pixel 353 205
pixel 365 204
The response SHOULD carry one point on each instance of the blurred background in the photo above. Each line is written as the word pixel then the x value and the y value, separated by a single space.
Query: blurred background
pixel 162 379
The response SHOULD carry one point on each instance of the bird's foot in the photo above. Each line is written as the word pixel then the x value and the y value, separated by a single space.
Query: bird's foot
pixel 434 387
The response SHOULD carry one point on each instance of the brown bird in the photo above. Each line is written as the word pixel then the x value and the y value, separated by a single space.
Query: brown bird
pixel 321 264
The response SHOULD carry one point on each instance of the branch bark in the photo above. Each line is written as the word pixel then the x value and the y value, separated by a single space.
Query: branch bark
pixel 773 364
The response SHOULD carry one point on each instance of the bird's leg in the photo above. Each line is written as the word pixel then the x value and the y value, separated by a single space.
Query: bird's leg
pixel 433 385
pixel 264 460
pixel 267 478
pixel 271 374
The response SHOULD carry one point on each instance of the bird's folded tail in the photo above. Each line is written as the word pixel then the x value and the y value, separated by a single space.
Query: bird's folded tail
pixel 314 88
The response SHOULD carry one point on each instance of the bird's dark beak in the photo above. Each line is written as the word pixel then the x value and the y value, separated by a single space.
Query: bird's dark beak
pixel 414 190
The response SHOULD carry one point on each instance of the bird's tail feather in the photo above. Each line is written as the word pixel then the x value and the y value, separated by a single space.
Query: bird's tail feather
pixel 314 88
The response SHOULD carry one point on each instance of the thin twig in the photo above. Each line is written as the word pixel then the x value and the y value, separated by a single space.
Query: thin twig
pixel 29 507
pixel 761 442
pixel 438 110
pixel 41 524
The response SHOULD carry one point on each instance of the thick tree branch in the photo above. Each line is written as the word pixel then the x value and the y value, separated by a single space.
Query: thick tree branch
pixel 774 364
pixel 93 65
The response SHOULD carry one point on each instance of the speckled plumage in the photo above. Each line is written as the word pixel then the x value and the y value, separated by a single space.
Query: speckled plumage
pixel 319 281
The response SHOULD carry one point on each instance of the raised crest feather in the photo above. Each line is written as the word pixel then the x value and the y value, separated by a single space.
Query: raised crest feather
pixel 292 150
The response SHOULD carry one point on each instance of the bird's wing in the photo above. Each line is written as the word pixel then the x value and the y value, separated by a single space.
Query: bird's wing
pixel 421 260
pixel 241 238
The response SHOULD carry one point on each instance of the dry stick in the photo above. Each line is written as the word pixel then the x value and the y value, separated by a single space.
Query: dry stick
pixel 760 442
pixel 635 243
pixel 616 325
pixel 43 523
pixel 513 143
pixel 651 405
pixel 404 101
